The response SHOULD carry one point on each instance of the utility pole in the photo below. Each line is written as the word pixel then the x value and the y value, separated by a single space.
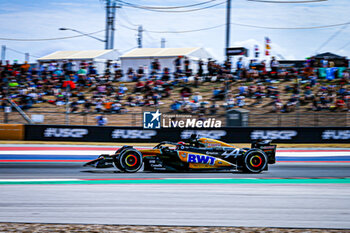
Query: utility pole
pixel 162 43
pixel 26 57
pixel 139 36
pixel 111 6
pixel 3 53
pixel 228 24
pixel 108 3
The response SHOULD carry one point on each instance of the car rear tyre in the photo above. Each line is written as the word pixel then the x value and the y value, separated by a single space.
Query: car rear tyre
pixel 254 161
pixel 129 161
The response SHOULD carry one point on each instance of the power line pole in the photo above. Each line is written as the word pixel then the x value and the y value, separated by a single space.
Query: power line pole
pixel 108 2
pixel 228 24
pixel 139 36
pixel 26 57
pixel 111 6
pixel 162 43
pixel 3 53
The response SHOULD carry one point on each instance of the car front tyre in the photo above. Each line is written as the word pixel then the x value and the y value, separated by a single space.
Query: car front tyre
pixel 129 161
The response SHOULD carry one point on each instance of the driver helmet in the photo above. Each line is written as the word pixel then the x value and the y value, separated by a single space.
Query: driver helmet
pixel 179 144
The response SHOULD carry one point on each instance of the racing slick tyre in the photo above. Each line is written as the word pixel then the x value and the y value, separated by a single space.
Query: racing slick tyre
pixel 254 161
pixel 129 160
pixel 117 163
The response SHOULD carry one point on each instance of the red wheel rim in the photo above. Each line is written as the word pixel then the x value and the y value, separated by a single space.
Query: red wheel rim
pixel 131 160
pixel 256 161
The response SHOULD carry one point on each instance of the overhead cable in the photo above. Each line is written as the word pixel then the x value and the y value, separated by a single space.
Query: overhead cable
pixel 244 25
pixel 344 46
pixel 45 39
pixel 295 1
pixel 126 17
pixel 16 51
pixel 331 37
pixel 168 7
pixel 172 11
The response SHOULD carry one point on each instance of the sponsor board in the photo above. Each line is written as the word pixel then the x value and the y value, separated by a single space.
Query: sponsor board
pixel 11 132
pixel 65 133
pixel 227 134
pixel 336 134
pixel 273 134
pixel 133 134
pixel 213 134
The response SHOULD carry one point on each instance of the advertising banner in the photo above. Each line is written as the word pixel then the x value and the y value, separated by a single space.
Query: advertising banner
pixel 227 134
pixel 11 132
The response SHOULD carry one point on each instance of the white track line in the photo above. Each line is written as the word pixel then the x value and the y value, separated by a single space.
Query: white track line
pixel 28 180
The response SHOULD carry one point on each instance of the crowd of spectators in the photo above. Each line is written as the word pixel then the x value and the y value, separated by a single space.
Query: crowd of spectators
pixel 275 87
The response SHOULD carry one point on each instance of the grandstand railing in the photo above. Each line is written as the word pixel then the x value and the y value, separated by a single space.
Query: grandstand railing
pixel 300 119
pixel 314 119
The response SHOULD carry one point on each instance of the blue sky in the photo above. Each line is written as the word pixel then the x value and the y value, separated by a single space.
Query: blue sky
pixel 41 19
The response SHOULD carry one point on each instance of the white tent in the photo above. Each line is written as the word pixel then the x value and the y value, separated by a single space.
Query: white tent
pixel 98 57
pixel 166 56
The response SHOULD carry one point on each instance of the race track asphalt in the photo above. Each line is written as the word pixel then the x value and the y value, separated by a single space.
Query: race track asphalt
pixel 249 205
pixel 76 170
pixel 293 195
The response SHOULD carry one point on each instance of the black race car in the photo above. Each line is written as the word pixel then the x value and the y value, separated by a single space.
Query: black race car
pixel 197 154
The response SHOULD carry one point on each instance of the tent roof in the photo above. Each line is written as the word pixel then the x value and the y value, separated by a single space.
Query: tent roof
pixel 328 56
pixel 159 52
pixel 65 55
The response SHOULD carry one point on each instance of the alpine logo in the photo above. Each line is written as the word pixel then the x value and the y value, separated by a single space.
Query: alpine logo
pixel 273 134
pixel 234 152
pixel 195 158
pixel 65 133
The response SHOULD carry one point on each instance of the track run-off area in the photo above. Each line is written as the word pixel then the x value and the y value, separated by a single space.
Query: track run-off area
pixel 307 188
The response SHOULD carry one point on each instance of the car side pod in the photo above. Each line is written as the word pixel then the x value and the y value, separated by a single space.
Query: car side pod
pixel 129 160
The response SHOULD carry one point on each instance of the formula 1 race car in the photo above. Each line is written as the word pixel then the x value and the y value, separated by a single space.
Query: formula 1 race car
pixel 197 154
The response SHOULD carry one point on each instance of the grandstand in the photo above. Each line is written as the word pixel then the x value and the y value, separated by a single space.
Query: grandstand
pixel 307 96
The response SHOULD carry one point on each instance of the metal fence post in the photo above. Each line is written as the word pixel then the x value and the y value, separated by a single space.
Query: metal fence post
pixel 6 117
pixel 85 118
pixel 133 119
pixel 279 123
pixel 314 119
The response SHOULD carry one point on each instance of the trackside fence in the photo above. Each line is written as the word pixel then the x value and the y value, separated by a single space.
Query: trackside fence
pixel 313 119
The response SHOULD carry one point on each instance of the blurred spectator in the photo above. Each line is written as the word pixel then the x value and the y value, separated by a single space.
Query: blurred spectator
pixel 101 120
pixel 213 108
pixel 197 97
pixel 240 101
pixel 140 74
pixel 274 64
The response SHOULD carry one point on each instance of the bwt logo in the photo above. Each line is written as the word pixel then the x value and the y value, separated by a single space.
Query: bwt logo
pixel 151 120
pixel 65 133
pixel 193 158
pixel 273 134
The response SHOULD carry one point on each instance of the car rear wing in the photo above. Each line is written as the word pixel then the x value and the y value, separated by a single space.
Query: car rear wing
pixel 269 150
